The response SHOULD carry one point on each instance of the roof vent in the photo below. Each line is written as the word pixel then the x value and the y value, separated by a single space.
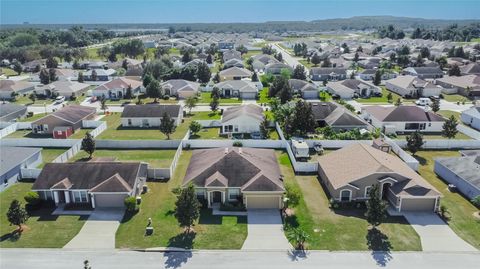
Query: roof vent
pixel 226 150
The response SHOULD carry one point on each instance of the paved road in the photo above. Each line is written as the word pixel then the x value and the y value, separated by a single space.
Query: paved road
pixel 99 230
pixel 61 259
pixel 265 231
pixel 435 234
pixel 287 58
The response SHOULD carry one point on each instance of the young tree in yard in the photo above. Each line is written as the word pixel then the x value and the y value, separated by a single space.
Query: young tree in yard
pixel 389 97
pixel 154 90
pixel 128 93
pixel 454 71
pixel 435 105
pixel 32 97
pixel 254 77
pixel 80 77
pixel 209 59
pixel 51 63
pixel 300 238
pixel 195 127
pixel 44 76
pixel 52 73
pixel 292 195
pixel 299 72
pixel 315 60
pixel 414 142
pixel 88 144
pixel 94 75
pixel 265 128
pixel 214 104
pixel 215 92
pixel 378 78
pixel 302 121
pixel 167 126
pixel 103 104
pixel 17 215
pixel 279 57
pixel 187 208
pixel 376 207
pixel 216 78
pixel 203 72
pixel 17 67
pixel 398 102
pixel 450 127
pixel 186 57
pixel 190 103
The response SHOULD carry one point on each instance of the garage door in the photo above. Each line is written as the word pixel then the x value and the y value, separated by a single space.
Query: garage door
pixel 416 204
pixel 110 200
pixel 263 201
pixel 249 95
pixel 310 95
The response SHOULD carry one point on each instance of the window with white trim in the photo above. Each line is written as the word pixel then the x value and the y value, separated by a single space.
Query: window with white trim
pixel 367 191
pixel 345 195
pixel 233 194
pixel 79 196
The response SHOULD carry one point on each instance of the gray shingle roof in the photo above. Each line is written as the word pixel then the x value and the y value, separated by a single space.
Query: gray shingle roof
pixel 150 111
pixel 236 111
pixel 467 168
pixel 13 156
pixel 71 113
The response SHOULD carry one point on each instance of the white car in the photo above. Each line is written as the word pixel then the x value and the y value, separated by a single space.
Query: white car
pixel 59 99
pixel 423 102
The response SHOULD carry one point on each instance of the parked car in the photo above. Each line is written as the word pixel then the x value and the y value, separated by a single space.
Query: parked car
pixel 59 99
pixel 423 101
pixel 256 135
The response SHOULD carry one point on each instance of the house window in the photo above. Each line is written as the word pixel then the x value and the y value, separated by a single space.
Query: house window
pixel 45 127
pixel 145 123
pixel 46 195
pixel 367 191
pixel 129 122
pixel 227 128
pixel 200 194
pixel 345 195
pixel 236 128
pixel 412 126
pixel 233 194
pixel 79 196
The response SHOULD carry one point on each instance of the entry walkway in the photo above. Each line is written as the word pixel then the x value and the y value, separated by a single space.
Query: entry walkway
pixel 265 231
pixel 99 230
pixel 435 234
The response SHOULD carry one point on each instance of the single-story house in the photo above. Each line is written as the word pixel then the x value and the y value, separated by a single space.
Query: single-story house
pixel 63 88
pixel 468 85
pixel 350 88
pixel 180 88
pixel 463 172
pixel 234 63
pixel 248 175
pixel 243 89
pixel 336 116
pixel 471 117
pixel 69 116
pixel 98 184
pixel 11 112
pixel 328 73
pixel 117 88
pixel 403 119
pixel 150 115
pixel 231 54
pixel 306 89
pixel 13 159
pixel 102 74
pixel 261 60
pixel 411 86
pixel 235 73
pixel 226 45
pixel 34 66
pixel 242 119
pixel 276 68
pixel 423 72
pixel 470 69
pixel 93 65
pixel 349 173
pixel 369 74
pixel 7 87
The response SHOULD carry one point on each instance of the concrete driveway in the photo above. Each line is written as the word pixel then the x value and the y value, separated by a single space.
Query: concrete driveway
pixel 99 230
pixel 265 231
pixel 435 234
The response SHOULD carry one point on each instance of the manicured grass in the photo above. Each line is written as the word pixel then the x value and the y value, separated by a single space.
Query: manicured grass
pixel 34 117
pixel 116 131
pixel 460 209
pixel 208 133
pixel 447 114
pixel 92 53
pixel 24 100
pixel 27 134
pixel 8 72
pixel 343 229
pixel 212 232
pixel 263 96
pixel 306 63
pixel 42 230
pixel 155 158
pixel 455 98
pixel 251 53
pixel 205 98
pixel 174 51
pixel 145 100
pixel 459 136
pixel 80 134
pixel 206 115
pixel 50 154
pixel 380 100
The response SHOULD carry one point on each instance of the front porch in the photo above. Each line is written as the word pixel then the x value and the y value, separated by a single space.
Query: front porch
pixel 67 198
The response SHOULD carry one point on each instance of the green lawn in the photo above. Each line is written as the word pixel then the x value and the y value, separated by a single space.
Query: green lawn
pixel 306 63
pixel 263 96
pixel 80 134
pixel 92 54
pixel 42 229
pixel 205 98
pixel 460 209
pixel 459 136
pixel 24 100
pixel 447 114
pixel 208 133
pixel 34 117
pixel 8 72
pixel 379 100
pixel 251 53
pixel 116 131
pixel 455 98
pixel 343 229
pixel 155 158
pixel 50 154
pixel 206 115
pixel 174 51
pixel 159 203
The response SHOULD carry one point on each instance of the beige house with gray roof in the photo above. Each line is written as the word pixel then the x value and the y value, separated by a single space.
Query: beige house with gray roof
pixel 349 173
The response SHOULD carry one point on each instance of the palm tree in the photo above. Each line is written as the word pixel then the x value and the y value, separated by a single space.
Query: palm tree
pixel 300 238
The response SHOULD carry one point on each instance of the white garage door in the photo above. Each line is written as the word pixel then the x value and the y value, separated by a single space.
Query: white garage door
pixel 110 200
pixel 263 201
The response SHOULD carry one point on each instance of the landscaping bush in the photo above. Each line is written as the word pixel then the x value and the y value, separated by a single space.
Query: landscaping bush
pixel 166 97
pixel 131 204
pixel 32 198
pixel 232 206
pixel 330 134
pixel 237 144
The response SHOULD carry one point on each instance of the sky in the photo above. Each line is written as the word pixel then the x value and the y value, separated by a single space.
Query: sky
pixel 176 11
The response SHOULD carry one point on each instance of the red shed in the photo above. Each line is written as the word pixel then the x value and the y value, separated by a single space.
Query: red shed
pixel 62 132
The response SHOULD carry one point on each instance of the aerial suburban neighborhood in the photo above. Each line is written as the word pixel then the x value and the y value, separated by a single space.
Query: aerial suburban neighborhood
pixel 298 144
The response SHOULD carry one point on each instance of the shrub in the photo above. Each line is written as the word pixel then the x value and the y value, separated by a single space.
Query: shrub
pixel 166 97
pixel 32 198
pixel 131 204
pixel 476 201
pixel 237 144
pixel 232 206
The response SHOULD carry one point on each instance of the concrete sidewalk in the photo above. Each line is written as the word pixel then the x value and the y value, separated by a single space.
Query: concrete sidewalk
pixel 99 230
pixel 435 234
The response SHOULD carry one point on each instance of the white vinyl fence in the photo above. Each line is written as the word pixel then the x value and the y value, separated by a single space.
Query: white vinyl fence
pixel 407 158
pixel 210 123
pixel 7 129
pixel 299 167
pixel 469 131
pixel 38 142
pixel 64 157
pixel 445 144
pixel 30 172
pixel 137 144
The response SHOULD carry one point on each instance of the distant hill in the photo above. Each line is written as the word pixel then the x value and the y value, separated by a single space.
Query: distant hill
pixel 354 23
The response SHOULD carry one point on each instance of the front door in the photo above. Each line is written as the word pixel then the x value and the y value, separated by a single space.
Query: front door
pixel 217 197
pixel 385 189
pixel 227 93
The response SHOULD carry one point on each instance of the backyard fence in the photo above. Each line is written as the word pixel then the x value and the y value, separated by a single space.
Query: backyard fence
pixel 38 142
pixel 407 158
pixel 137 144
pixel 7 128
pixel 209 123
pixel 445 144
pixel 64 157
pixel 30 173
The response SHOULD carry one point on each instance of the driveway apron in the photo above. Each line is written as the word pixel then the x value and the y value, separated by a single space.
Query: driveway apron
pixel 265 231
